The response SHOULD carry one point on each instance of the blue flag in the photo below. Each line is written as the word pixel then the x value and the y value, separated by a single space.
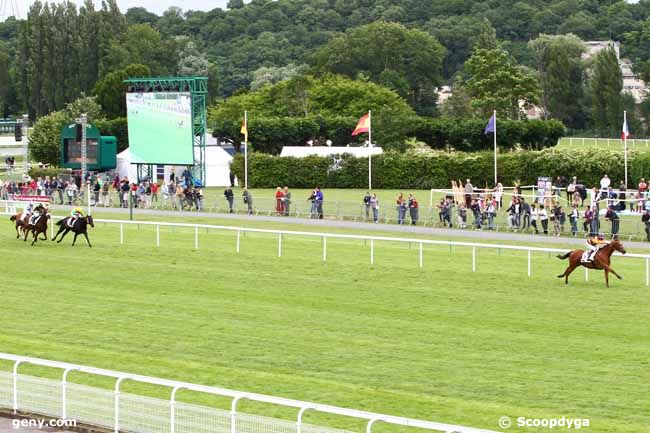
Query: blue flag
pixel 491 126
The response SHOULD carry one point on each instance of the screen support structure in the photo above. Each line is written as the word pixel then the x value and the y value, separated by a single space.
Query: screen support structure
pixel 198 88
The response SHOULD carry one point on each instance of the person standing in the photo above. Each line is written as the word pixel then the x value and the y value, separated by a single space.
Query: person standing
pixel 469 190
pixel 248 199
pixel 230 198
pixel 613 217
pixel 645 219
pixel 573 219
pixel 279 201
pixel 286 201
pixel 319 202
pixel 374 203
pixel 490 210
pixel 401 209
pixel 543 219
pixel 571 188
pixel 534 218
pixel 366 204
pixel 413 209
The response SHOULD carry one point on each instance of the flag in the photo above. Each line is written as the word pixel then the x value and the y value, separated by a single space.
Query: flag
pixel 626 132
pixel 491 125
pixel 362 126
pixel 244 129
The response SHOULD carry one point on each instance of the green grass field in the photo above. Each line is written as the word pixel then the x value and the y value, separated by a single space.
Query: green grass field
pixel 438 343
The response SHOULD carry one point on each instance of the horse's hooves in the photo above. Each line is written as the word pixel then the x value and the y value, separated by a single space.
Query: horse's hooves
pixel 619 277
pixel 560 276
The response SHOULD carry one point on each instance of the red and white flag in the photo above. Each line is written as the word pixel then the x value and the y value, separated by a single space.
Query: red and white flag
pixel 626 132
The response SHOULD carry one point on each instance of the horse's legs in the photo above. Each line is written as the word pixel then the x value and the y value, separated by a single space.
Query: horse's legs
pixel 608 268
pixel 568 272
pixel 606 277
pixel 62 236
pixel 35 236
pixel 75 239
pixel 87 240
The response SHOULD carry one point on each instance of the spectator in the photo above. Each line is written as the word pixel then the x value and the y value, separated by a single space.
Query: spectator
pixel 490 210
pixel 587 218
pixel 286 200
pixel 319 202
pixel 314 206
pixel 543 219
pixel 573 218
pixel 230 197
pixel 413 209
pixel 604 185
pixel 525 211
pixel 374 203
pixel 401 208
pixel 557 219
pixel 366 204
pixel 612 216
pixel 279 201
pixel 248 199
pixel 534 213
pixel 498 195
pixel 645 219
pixel 571 189
pixel 462 215
pixel 476 211
pixel 154 192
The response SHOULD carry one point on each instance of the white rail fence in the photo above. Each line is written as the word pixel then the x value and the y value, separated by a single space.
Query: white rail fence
pixel 366 238
pixel 138 414
pixel 594 141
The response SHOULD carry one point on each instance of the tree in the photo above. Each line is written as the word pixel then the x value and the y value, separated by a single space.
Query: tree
pixel 4 78
pixel 190 60
pixel 606 86
pixel 497 82
pixel 110 90
pixel 270 75
pixel 560 71
pixel 140 15
pixel 487 37
pixel 387 48
pixel 44 139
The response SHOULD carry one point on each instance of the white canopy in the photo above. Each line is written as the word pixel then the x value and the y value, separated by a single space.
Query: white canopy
pixel 303 151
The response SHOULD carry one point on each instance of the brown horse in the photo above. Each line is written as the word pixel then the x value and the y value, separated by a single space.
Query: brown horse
pixel 38 227
pixel 20 224
pixel 601 260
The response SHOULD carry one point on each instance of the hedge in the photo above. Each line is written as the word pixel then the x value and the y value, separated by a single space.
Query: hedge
pixel 436 169
pixel 269 134
pixel 117 128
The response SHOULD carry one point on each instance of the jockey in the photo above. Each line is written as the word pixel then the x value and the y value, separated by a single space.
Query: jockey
pixel 38 210
pixel 27 212
pixel 74 215
pixel 593 245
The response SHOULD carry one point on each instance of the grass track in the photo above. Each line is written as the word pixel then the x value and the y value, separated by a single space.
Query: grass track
pixel 439 343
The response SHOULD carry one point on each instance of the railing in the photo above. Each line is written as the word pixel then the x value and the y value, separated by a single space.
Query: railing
pixel 369 239
pixel 604 142
pixel 127 412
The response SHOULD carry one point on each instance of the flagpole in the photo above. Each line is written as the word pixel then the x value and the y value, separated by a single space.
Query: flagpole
pixel 495 147
pixel 369 149
pixel 246 150
pixel 625 144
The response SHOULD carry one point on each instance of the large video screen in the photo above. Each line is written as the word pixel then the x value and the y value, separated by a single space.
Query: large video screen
pixel 160 128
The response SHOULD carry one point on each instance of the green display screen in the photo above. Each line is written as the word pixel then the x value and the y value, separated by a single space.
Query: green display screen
pixel 160 128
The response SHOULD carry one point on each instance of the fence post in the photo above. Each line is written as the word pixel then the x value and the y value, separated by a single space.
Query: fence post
pixel 116 424
pixel 473 259
pixel 121 234
pixel 370 423
pixel 529 273
pixel 233 415
pixel 324 248
pixel 196 237
pixel 15 377
pixel 172 410
pixel 299 422
pixel 64 409
pixel 280 245
pixel 372 251
pixel 238 239
pixel 421 258
pixel 157 235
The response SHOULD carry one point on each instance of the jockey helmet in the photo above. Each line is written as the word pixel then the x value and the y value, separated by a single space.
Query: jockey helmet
pixel 78 210
pixel 601 237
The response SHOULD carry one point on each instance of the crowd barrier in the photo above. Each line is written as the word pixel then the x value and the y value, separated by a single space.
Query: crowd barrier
pixel 119 411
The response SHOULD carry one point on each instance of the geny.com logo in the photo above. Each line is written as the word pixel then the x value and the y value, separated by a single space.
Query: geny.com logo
pixel 42 423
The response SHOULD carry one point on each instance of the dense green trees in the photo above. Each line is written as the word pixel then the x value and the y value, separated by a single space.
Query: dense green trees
pixel 606 87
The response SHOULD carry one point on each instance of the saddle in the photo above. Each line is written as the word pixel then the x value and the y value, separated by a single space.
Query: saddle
pixel 587 257
pixel 33 219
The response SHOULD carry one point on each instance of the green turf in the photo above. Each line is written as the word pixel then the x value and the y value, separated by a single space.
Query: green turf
pixel 439 343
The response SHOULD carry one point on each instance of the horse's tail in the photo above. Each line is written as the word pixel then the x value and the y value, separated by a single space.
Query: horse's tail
pixel 12 218
pixel 564 256
pixel 60 222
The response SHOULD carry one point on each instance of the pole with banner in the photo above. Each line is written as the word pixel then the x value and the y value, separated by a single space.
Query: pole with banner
pixel 491 127
pixel 369 150
pixel 364 125
pixel 624 135
pixel 244 130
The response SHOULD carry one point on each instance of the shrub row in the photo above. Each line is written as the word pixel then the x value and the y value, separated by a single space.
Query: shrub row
pixel 436 169
pixel 269 134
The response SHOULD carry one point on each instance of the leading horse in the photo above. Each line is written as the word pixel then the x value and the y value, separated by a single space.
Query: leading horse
pixel 602 260
pixel 80 227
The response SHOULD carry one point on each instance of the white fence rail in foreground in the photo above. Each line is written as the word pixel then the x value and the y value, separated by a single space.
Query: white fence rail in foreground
pixel 133 413
pixel 370 239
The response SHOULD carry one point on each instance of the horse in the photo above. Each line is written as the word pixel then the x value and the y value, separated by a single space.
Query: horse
pixel 20 224
pixel 37 227
pixel 600 261
pixel 80 227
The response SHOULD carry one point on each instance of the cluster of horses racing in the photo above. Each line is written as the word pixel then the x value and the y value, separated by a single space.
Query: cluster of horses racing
pixel 26 225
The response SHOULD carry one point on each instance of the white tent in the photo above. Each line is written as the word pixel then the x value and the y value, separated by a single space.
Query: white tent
pixel 217 167
pixel 303 151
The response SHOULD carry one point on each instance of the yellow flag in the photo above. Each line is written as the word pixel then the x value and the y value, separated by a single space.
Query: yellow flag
pixel 244 130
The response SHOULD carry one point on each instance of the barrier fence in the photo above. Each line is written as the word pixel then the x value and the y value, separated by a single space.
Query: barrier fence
pixel 134 413
pixel 604 142
pixel 323 237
